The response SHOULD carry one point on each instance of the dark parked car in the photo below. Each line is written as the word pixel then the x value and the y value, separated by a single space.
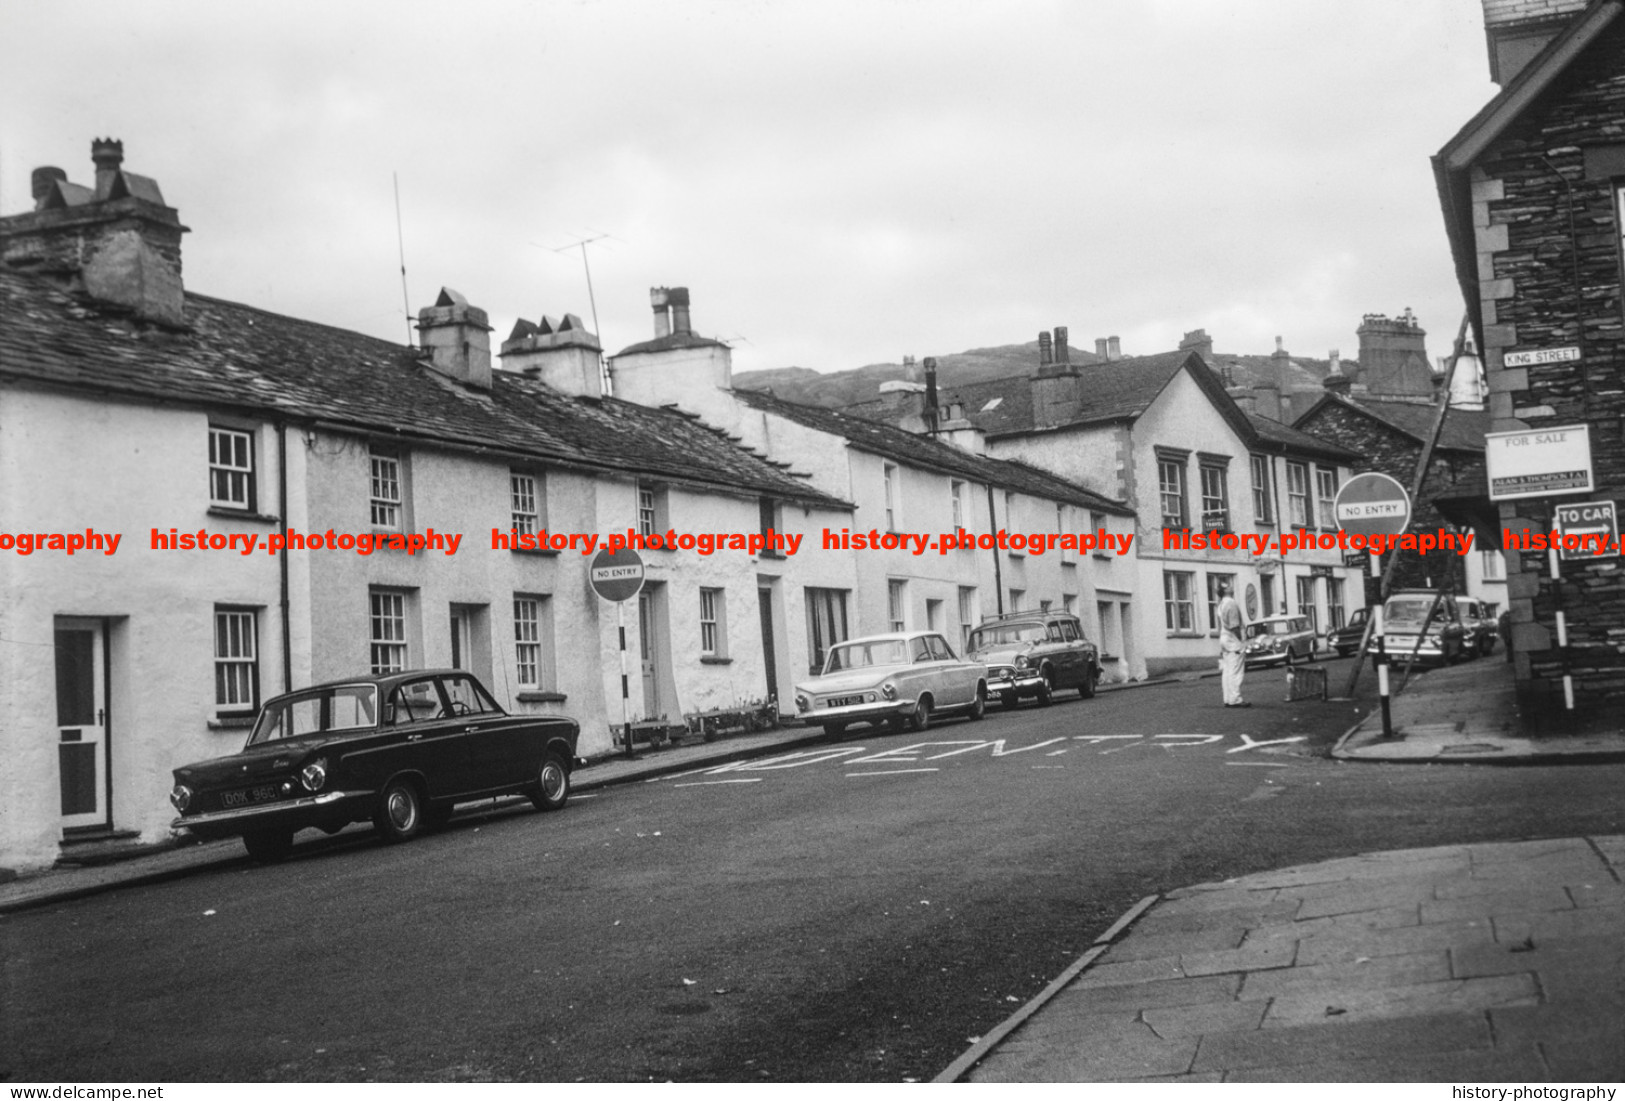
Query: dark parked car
pixel 399 750
pixel 1346 639
pixel 1283 638
pixel 1035 654
pixel 1481 626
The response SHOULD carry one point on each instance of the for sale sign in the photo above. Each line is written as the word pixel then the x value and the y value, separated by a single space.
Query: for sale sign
pixel 1540 463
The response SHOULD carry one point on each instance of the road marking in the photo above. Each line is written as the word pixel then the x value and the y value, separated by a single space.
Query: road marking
pixel 1062 767
pixel 1055 753
pixel 997 745
pixel 1248 743
pixel 892 772
pixel 789 760
pixel 1256 764
pixel 1095 738
pixel 1206 739
pixel 675 775
pixel 704 783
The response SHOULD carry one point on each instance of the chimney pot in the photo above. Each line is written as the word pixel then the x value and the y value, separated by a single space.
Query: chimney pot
pixel 42 181
pixel 1100 347
pixel 107 154
pixel 658 299
pixel 931 394
pixel 679 310
pixel 1061 354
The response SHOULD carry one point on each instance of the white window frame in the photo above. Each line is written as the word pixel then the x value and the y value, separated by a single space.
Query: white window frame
pixel 1299 513
pixel 713 623
pixel 525 501
pixel 889 485
pixel 1215 497
pixel 967 613
pixel 236 660
pixel 533 642
pixel 1325 502
pixel 1179 601
pixel 231 468
pixel 1171 486
pixel 387 499
pixel 387 631
pixel 896 604
pixel 956 496
pixel 1263 500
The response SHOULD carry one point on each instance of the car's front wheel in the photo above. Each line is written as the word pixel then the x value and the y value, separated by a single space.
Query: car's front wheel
pixel 269 846
pixel 978 707
pixel 1046 691
pixel 399 816
pixel 920 718
pixel 552 786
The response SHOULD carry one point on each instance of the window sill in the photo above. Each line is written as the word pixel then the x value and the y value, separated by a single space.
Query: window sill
pixel 1073 562
pixel 1109 659
pixel 1187 634
pixel 538 552
pixel 712 659
pixel 1106 556
pixel 243 514
pixel 540 697
pixel 231 722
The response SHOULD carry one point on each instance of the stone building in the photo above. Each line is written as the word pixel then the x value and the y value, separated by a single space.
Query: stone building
pixel 1533 194
pixel 133 407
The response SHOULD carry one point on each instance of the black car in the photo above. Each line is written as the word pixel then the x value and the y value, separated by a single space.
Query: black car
pixel 1035 654
pixel 1346 639
pixel 400 750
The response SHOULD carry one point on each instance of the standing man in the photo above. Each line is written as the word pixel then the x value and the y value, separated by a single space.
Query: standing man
pixel 1232 663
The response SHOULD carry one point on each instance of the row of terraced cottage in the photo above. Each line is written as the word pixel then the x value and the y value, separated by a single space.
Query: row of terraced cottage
pixel 135 407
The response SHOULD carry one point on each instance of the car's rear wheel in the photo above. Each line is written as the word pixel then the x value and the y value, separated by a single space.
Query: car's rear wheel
pixel 1091 677
pixel 399 816
pixel 1310 653
pixel 269 846
pixel 920 718
pixel 1046 691
pixel 978 707
pixel 834 730
pixel 552 786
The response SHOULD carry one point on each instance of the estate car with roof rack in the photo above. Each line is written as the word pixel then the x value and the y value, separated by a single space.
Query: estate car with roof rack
pixel 400 750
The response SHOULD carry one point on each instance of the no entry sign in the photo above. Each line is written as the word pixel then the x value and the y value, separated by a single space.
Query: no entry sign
pixel 617 576
pixel 1372 504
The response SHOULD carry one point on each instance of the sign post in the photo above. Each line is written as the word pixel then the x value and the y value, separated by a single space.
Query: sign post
pixel 618 577
pixel 1367 505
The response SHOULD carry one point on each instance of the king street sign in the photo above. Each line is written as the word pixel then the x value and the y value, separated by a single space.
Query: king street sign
pixel 617 576
pixel 1372 504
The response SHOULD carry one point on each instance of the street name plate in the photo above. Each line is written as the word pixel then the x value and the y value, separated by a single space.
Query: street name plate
pixel 1539 356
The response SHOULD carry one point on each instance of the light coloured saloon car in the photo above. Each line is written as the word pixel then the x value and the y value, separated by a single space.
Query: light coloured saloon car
pixel 903 679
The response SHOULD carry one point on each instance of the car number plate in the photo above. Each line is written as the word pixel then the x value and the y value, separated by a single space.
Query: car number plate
pixel 265 793
pixel 842 701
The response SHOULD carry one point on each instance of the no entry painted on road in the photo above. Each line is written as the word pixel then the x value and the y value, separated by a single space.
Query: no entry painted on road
pixel 1372 504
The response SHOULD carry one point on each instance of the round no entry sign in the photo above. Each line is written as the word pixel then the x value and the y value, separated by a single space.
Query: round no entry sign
pixel 1372 504
pixel 617 576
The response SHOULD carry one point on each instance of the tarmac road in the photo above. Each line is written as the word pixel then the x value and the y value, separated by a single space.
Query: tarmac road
pixel 855 912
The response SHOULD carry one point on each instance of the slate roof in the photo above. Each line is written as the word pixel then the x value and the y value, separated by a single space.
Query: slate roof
pixel 903 446
pixel 237 357
pixel 1463 428
pixel 1120 390
pixel 1286 437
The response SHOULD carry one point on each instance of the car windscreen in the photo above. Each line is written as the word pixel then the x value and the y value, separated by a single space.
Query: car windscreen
pixel 1006 634
pixel 1279 627
pixel 1407 613
pixel 861 655
pixel 345 707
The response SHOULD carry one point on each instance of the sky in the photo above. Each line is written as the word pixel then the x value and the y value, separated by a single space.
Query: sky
pixel 836 183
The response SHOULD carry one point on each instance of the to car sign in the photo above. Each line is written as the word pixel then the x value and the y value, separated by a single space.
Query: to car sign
pixel 1372 504
pixel 616 577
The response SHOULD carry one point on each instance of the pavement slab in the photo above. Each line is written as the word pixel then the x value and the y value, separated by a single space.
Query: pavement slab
pixel 1496 962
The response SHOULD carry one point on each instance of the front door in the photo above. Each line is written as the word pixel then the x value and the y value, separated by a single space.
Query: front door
pixel 764 601
pixel 648 648
pixel 81 721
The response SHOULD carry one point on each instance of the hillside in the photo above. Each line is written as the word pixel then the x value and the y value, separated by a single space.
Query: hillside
pixel 842 388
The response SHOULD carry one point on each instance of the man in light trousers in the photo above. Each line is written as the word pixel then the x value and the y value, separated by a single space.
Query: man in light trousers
pixel 1232 662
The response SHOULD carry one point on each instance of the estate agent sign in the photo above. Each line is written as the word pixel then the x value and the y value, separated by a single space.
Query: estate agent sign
pixel 1538 463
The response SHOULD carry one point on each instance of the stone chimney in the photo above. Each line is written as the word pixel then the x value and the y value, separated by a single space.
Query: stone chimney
pixel 1244 398
pixel 678 367
pixel 557 351
pixel 1100 348
pixel 1199 342
pixel 457 337
pixel 117 242
pixel 1114 349
pixel 1517 30
pixel 1055 390
pixel 1267 396
pixel 1062 353
pixel 1336 382
pixel 671 311
pixel 1393 356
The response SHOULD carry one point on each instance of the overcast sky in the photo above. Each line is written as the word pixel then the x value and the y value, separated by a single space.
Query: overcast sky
pixel 837 183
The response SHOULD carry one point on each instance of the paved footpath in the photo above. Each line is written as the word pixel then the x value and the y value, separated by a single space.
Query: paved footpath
pixel 1468 963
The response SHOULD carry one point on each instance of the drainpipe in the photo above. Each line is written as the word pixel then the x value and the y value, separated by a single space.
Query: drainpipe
pixel 993 527
pixel 282 512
